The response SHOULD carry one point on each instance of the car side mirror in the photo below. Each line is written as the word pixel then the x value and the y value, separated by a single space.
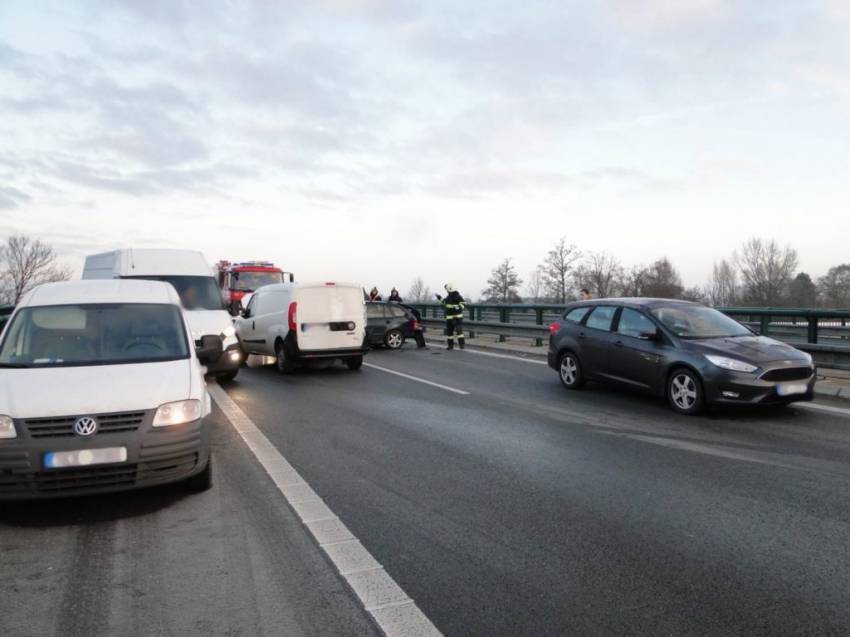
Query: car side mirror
pixel 210 349
pixel 650 336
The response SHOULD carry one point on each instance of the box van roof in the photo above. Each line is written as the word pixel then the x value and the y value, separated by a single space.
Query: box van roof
pixel 146 261
pixel 101 291
pixel 302 286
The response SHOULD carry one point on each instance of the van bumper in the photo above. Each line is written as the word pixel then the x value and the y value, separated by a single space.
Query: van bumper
pixel 155 456
pixel 290 345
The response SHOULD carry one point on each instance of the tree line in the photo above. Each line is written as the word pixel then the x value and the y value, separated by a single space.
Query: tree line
pixel 761 273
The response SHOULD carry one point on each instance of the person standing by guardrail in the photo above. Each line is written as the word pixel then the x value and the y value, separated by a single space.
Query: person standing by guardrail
pixel 454 305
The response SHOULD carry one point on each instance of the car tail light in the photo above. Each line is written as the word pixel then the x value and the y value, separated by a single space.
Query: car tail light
pixel 415 325
pixel 293 309
pixel 554 327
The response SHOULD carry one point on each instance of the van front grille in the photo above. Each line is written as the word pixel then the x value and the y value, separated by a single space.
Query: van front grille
pixel 64 426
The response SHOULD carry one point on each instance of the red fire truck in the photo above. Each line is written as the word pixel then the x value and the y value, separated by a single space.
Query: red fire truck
pixel 238 279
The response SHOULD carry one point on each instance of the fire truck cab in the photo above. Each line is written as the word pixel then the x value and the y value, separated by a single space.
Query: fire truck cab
pixel 238 279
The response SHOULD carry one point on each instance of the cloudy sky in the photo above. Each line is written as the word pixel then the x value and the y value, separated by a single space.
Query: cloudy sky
pixel 377 140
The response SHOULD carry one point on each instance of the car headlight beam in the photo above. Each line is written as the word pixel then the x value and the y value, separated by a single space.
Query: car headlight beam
pixel 731 364
pixel 177 413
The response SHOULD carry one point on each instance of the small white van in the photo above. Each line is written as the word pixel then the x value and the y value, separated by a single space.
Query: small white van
pixel 296 322
pixel 192 277
pixel 101 389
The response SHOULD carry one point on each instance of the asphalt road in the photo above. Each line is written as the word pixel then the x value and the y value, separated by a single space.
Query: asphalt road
pixel 513 508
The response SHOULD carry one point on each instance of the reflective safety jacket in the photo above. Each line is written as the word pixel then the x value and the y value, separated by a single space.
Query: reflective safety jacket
pixel 454 305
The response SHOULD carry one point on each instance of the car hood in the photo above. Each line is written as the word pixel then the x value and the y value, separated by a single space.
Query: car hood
pixel 67 391
pixel 757 350
pixel 205 322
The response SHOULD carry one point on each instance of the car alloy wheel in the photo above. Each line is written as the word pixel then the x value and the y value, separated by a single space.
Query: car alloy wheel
pixel 394 339
pixel 570 371
pixel 685 392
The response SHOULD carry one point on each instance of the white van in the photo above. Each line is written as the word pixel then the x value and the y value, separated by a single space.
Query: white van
pixel 192 277
pixel 295 322
pixel 101 389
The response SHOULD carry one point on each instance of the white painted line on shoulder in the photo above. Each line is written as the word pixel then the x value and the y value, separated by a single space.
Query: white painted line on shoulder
pixel 827 408
pixel 390 607
pixel 494 355
pixel 417 379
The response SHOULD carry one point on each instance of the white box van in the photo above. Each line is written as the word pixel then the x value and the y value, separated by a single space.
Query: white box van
pixel 295 322
pixel 192 277
pixel 101 389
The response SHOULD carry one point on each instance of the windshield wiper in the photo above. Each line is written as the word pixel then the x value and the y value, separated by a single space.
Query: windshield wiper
pixel 13 365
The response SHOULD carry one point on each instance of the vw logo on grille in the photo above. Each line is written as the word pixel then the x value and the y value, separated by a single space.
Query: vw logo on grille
pixel 85 426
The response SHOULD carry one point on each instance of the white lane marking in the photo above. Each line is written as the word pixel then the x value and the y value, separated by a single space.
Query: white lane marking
pixel 395 613
pixel 827 408
pixel 494 355
pixel 417 379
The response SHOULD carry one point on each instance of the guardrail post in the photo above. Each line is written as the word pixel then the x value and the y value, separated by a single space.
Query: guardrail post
pixel 813 329
pixel 538 342
pixel 764 324
pixel 503 314
pixel 539 315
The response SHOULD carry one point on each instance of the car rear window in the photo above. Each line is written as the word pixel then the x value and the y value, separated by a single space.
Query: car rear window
pixel 576 314
pixel 600 318
pixel 373 310
pixel 396 311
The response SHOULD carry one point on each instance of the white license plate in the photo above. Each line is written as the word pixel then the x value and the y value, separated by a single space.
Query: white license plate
pixel 788 389
pixel 84 457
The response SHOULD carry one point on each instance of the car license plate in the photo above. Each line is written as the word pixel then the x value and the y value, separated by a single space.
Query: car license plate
pixel 788 389
pixel 84 457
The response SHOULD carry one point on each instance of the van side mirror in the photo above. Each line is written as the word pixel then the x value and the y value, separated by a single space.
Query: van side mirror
pixel 210 349
pixel 246 313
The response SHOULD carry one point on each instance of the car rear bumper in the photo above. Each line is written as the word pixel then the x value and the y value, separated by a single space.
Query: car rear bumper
pixel 734 388
pixel 154 457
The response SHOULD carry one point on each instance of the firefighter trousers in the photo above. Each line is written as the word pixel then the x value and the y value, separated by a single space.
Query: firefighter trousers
pixel 454 332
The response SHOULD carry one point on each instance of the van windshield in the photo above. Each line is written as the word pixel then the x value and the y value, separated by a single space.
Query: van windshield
pixel 196 292
pixel 94 334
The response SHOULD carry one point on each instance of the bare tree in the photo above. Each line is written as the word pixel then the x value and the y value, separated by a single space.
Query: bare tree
pixel 834 286
pixel 695 293
pixel 503 284
pixel 557 270
pixel 722 288
pixel 662 280
pixel 535 287
pixel 766 270
pixel 635 281
pixel 26 263
pixel 418 292
pixel 601 274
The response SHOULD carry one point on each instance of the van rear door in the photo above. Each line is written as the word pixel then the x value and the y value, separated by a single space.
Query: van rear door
pixel 330 316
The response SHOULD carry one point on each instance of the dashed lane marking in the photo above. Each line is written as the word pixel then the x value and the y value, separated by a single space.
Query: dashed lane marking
pixel 826 408
pixel 395 613
pixel 417 379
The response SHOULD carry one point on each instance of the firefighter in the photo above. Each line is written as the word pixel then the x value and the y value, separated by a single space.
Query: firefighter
pixel 454 305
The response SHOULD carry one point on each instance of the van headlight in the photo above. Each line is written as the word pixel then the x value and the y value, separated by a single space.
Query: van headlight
pixel 228 332
pixel 731 364
pixel 177 413
pixel 7 428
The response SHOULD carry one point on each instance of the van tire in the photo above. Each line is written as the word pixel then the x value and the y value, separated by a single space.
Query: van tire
pixel 284 364
pixel 354 363
pixel 201 481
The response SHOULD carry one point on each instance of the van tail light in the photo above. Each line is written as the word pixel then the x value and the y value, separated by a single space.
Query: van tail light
pixel 293 309
pixel 554 327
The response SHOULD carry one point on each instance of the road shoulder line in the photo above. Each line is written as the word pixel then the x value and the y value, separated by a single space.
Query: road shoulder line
pixel 390 607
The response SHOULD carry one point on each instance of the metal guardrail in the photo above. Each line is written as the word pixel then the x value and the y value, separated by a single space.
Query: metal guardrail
pixel 796 325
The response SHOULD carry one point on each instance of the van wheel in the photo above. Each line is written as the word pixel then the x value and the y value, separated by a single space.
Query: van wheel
pixel 684 392
pixel 201 481
pixel 354 363
pixel 284 364
pixel 569 370
pixel 394 339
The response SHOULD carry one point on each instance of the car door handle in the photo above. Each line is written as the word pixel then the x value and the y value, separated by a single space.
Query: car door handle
pixel 619 343
pixel 581 335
